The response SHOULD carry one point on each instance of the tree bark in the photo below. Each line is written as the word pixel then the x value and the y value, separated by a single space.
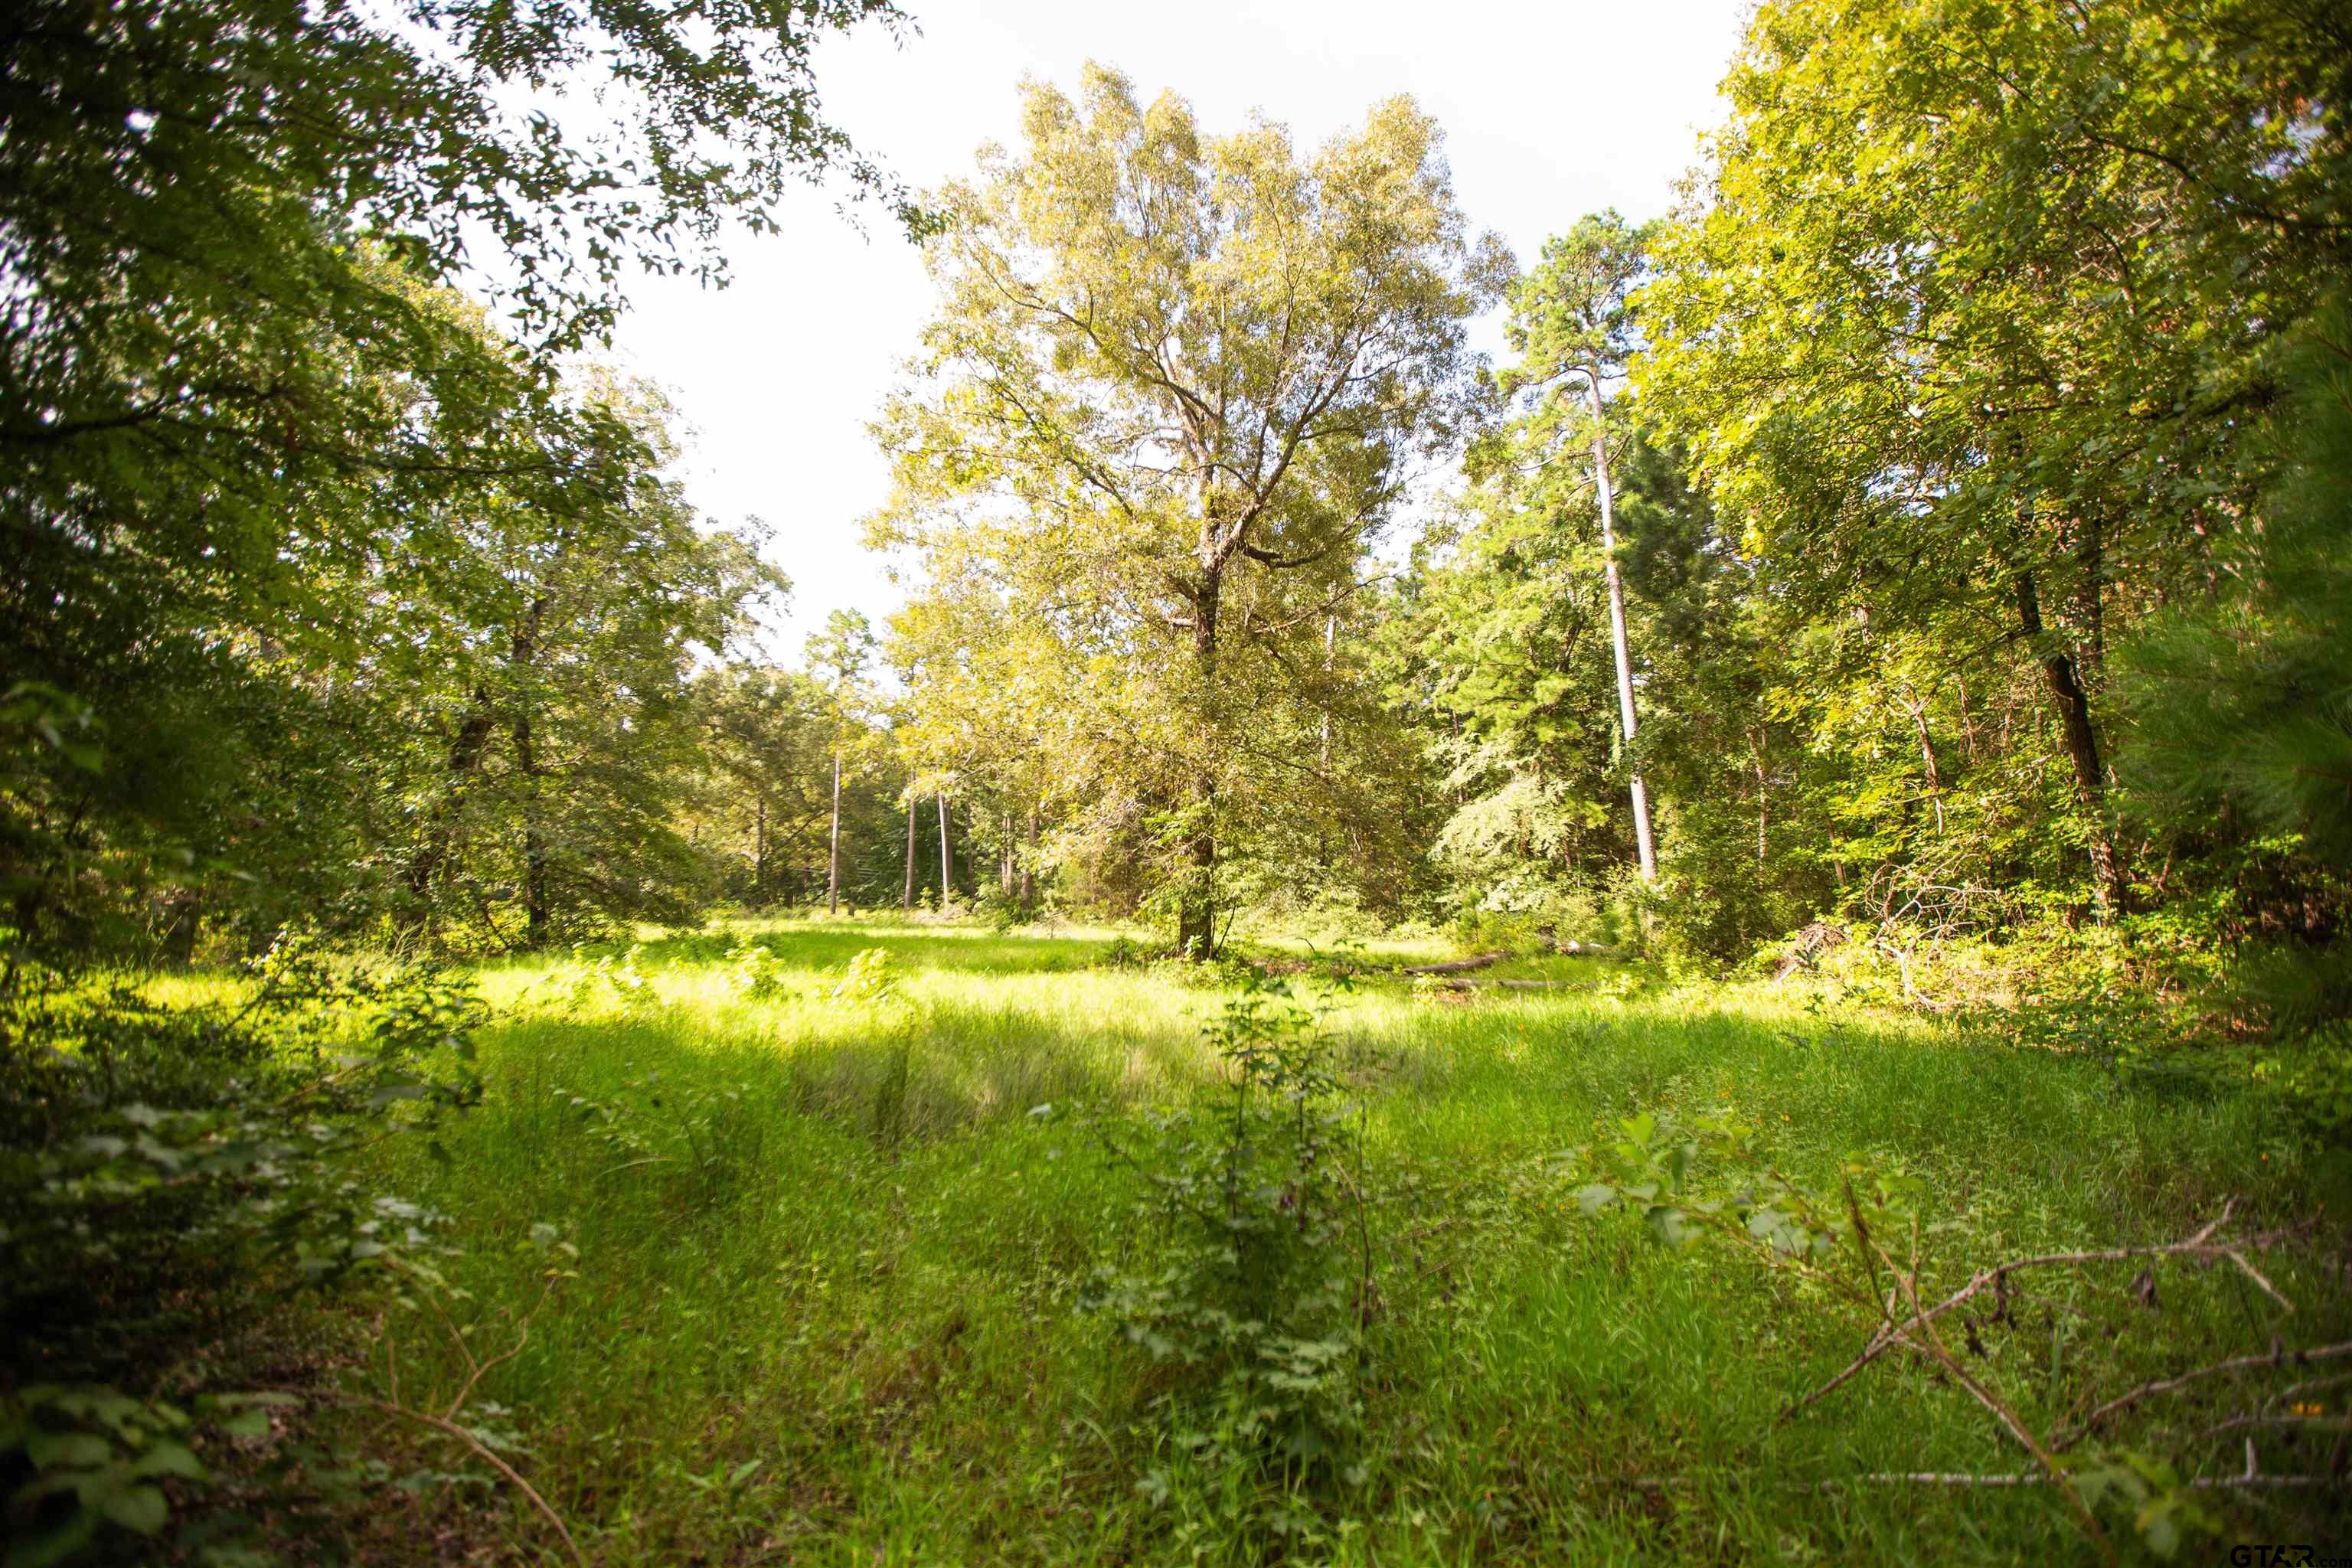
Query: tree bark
pixel 1644 847
pixel 1935 775
pixel 184 915
pixel 2081 742
pixel 1763 795
pixel 760 858
pixel 538 918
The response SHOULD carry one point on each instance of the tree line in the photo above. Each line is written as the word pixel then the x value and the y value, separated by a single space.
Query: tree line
pixel 1933 519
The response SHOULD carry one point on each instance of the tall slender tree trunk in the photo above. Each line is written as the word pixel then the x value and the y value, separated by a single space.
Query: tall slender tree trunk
pixel 760 858
pixel 1643 844
pixel 1933 773
pixel 1029 868
pixel 1763 795
pixel 538 918
pixel 946 864
pixel 907 904
pixel 536 915
pixel 1323 752
pixel 832 855
pixel 1196 919
pixel 2081 738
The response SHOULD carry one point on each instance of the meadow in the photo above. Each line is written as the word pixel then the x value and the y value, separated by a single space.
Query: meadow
pixel 835 1218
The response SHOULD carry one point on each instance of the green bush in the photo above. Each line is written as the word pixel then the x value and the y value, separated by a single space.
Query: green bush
pixel 1260 1267
pixel 164 1172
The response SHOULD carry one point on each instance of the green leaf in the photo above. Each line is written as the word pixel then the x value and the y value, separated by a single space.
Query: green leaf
pixel 169 1458
pixel 2159 1527
pixel 139 1508
pixel 250 1423
pixel 68 1450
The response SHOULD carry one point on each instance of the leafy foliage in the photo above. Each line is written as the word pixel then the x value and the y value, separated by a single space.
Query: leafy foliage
pixel 1262 1279
pixel 167 1168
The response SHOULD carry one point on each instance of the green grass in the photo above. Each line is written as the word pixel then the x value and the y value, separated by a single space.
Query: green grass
pixel 837 1243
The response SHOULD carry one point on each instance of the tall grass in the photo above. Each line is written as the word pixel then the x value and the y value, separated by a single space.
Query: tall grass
pixel 831 1252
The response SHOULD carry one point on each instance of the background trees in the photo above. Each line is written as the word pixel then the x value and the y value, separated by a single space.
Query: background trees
pixel 328 593
pixel 259 458
pixel 1972 327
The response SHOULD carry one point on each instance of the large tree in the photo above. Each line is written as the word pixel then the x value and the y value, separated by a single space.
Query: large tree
pixel 1176 386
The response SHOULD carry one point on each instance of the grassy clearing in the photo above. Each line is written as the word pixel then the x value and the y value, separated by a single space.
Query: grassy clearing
pixel 830 1257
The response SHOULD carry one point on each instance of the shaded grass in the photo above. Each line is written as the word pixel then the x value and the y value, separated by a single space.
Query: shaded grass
pixel 844 1243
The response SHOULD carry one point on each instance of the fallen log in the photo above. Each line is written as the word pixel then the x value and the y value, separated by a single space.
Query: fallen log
pixel 1508 985
pixel 1484 961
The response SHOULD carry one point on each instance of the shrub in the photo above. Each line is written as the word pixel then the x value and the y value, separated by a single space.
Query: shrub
pixel 1261 1263
pixel 162 1170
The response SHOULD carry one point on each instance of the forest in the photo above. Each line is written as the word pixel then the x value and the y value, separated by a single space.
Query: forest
pixel 1679 899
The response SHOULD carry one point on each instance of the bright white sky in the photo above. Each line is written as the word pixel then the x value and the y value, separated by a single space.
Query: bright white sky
pixel 1551 109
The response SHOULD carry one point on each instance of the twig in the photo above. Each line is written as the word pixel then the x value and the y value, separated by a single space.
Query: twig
pixel 2173 1385
pixel 2299 1423
pixel 1961 1479
pixel 440 1424
pixel 522 1338
pixel 1484 961
pixel 2200 1245
pixel 1947 1478
pixel 1985 1396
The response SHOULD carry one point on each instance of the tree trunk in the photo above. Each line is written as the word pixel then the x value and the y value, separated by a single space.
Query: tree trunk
pixel 537 917
pixel 1029 869
pixel 1763 795
pixel 947 863
pixel 1643 845
pixel 1323 755
pixel 1927 759
pixel 759 858
pixel 184 915
pixel 907 905
pixel 1196 919
pixel 534 843
pixel 832 856
pixel 473 738
pixel 2082 743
